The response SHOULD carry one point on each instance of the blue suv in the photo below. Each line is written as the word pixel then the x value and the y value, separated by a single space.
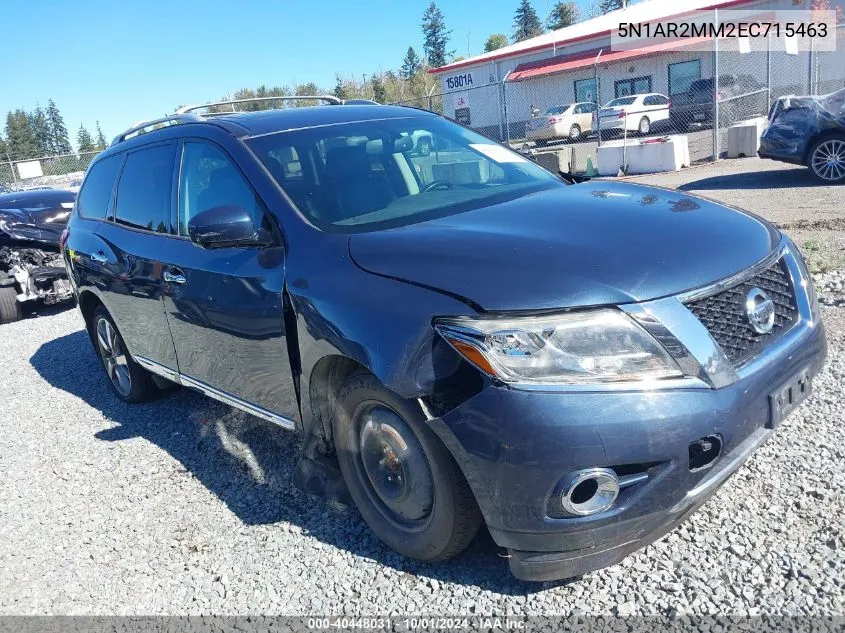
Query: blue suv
pixel 460 336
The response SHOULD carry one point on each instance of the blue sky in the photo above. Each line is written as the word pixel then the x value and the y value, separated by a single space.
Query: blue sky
pixel 121 62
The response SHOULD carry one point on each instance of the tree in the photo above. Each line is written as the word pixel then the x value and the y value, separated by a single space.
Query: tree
pixel 40 130
pixel 19 136
pixel 411 64
pixel 84 141
pixel 495 41
pixel 526 22
pixel 379 90
pixel 606 6
pixel 436 37
pixel 101 138
pixel 564 13
pixel 59 143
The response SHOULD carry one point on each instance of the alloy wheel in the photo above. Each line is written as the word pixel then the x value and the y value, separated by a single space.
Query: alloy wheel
pixel 114 356
pixel 828 160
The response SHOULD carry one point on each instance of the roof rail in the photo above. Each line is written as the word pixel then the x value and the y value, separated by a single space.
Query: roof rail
pixel 149 126
pixel 327 98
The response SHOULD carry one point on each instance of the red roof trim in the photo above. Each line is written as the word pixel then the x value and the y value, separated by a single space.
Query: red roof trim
pixel 562 63
pixel 539 47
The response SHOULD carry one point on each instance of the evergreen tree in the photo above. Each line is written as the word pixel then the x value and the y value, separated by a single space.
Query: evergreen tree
pixel 411 64
pixel 564 13
pixel 495 41
pixel 59 143
pixel 340 90
pixel 83 140
pixel 19 136
pixel 436 37
pixel 40 130
pixel 101 138
pixel 379 91
pixel 526 22
pixel 606 6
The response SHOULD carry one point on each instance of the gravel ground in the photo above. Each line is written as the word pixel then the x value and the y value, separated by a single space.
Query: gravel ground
pixel 183 506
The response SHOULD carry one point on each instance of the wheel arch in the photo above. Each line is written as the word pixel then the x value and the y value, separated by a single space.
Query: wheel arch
pixel 823 134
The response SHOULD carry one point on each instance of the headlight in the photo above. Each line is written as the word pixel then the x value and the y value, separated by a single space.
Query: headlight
pixel 603 345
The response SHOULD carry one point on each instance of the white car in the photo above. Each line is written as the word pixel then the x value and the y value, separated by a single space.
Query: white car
pixel 561 121
pixel 635 113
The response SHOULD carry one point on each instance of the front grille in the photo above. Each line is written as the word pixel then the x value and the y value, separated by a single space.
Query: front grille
pixel 724 314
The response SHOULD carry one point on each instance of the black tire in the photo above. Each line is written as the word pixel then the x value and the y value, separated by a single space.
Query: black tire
pixel 644 126
pixel 129 381
pixel 433 516
pixel 10 309
pixel 574 132
pixel 424 146
pixel 826 159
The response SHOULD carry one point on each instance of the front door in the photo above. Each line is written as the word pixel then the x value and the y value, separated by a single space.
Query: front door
pixel 128 253
pixel 225 305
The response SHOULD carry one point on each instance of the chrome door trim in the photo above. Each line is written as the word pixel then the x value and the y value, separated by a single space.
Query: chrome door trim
pixel 157 368
pixel 216 394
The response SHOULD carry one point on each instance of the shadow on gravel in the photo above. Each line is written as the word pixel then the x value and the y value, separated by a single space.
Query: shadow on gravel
pixel 249 464
pixel 772 179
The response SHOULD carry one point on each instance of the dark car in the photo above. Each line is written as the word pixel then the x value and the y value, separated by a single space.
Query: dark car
pixel 31 269
pixel 462 337
pixel 740 97
pixel 808 131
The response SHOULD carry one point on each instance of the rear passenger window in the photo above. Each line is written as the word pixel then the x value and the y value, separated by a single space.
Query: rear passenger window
pixel 143 195
pixel 96 192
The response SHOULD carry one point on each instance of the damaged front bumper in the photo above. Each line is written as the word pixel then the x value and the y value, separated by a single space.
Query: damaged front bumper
pixel 517 447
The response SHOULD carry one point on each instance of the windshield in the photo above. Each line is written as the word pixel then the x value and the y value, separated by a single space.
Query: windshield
pixel 557 109
pixel 378 174
pixel 621 101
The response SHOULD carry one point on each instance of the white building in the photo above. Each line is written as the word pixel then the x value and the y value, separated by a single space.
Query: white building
pixel 560 67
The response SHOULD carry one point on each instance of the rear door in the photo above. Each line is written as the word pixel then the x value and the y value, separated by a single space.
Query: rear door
pixel 225 306
pixel 128 254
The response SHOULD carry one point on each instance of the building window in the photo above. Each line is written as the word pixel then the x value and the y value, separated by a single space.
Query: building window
pixel 682 74
pixel 585 90
pixel 635 86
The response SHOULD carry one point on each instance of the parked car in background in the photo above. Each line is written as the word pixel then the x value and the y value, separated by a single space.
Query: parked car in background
pixel 462 338
pixel 568 121
pixel 695 106
pixel 635 113
pixel 808 131
pixel 31 269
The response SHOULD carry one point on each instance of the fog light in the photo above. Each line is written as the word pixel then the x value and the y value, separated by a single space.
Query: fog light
pixel 590 491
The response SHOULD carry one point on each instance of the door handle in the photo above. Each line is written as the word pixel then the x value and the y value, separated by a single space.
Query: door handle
pixel 174 276
pixel 99 257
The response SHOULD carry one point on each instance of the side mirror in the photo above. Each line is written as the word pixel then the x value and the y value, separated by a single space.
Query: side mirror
pixel 226 225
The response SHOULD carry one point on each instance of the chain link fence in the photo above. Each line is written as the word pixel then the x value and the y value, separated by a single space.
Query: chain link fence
pixel 65 172
pixel 573 102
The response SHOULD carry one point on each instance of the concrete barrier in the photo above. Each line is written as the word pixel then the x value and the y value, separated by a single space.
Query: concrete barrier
pixel 744 137
pixel 644 156
pixel 554 161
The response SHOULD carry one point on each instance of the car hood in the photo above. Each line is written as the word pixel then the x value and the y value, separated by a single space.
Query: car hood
pixel 33 225
pixel 595 243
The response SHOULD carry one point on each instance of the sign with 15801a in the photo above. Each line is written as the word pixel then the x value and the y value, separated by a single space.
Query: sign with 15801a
pixel 460 81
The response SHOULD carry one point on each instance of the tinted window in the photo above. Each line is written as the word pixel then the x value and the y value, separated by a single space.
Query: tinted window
pixel 210 179
pixel 683 76
pixel 143 195
pixel 556 110
pixel 585 90
pixel 378 174
pixel 623 101
pixel 96 192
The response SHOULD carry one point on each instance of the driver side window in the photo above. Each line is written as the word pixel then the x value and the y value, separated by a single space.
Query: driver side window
pixel 208 178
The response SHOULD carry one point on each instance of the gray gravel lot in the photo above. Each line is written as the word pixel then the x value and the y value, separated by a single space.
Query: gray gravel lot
pixel 184 506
